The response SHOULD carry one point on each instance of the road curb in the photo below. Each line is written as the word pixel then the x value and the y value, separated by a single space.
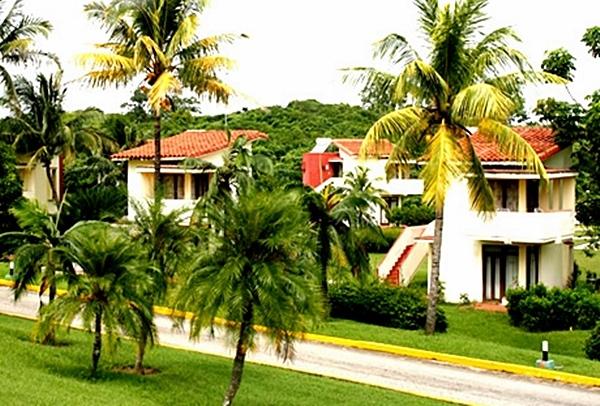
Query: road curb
pixel 460 360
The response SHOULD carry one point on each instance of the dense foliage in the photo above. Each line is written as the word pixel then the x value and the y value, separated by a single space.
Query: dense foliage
pixel 412 213
pixel 592 345
pixel 293 129
pixel 383 305
pixel 10 188
pixel 543 309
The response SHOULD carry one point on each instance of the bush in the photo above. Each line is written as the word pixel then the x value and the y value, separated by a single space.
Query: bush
pixel 592 345
pixel 542 309
pixel 411 213
pixel 383 245
pixel 383 305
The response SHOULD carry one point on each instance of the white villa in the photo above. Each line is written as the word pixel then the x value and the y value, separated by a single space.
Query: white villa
pixel 331 159
pixel 529 240
pixel 182 186
pixel 35 182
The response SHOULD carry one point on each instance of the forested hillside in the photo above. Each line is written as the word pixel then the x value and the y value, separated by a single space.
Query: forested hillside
pixel 294 128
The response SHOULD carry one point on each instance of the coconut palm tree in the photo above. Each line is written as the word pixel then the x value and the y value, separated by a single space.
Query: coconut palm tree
pixel 468 81
pixel 165 242
pixel 157 42
pixel 41 130
pixel 111 293
pixel 256 267
pixel 17 34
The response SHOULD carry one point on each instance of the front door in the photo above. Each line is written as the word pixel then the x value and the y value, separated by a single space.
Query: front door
pixel 500 270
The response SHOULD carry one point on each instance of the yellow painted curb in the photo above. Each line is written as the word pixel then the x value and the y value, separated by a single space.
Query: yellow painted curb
pixel 565 377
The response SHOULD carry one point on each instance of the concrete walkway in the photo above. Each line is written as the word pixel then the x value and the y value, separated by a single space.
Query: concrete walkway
pixel 428 378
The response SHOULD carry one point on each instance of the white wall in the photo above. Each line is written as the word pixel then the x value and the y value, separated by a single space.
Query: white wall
pixel 35 181
pixel 140 182
pixel 461 252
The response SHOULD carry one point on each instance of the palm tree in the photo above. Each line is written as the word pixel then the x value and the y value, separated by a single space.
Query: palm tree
pixel 164 241
pixel 321 209
pixel 462 85
pixel 17 34
pixel 355 210
pixel 157 41
pixel 257 267
pixel 37 258
pixel 42 131
pixel 342 218
pixel 112 290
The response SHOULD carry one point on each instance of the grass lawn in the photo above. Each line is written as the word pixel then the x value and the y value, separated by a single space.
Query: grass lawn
pixel 41 375
pixel 479 334
pixel 586 263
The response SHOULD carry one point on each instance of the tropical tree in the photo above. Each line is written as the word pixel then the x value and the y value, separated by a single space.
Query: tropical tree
pixel 17 34
pixel 11 188
pixel 355 210
pixel 157 41
pixel 468 80
pixel 256 267
pixel 110 293
pixel 41 130
pixel 165 243
pixel 343 220
pixel 37 258
pixel 321 209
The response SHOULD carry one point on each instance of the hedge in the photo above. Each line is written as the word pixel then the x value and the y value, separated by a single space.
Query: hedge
pixel 383 305
pixel 543 309
pixel 592 345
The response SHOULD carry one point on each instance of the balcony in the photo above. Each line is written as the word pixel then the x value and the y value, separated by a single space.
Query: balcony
pixel 522 227
pixel 400 187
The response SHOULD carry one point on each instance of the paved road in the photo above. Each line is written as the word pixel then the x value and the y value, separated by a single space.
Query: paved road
pixel 464 385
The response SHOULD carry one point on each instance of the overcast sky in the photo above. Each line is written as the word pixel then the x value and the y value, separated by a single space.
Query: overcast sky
pixel 296 47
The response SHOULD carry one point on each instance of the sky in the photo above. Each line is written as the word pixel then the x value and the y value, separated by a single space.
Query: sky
pixel 296 48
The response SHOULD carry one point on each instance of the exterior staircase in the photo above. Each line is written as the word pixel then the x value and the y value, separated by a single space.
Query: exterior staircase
pixel 404 257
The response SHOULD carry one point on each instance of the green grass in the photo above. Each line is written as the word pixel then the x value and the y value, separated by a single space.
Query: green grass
pixel 479 334
pixel 41 375
pixel 587 263
pixel 375 259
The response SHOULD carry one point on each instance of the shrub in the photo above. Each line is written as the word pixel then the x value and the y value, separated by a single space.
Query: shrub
pixel 411 213
pixel 592 345
pixel 383 305
pixel 542 309
pixel 383 245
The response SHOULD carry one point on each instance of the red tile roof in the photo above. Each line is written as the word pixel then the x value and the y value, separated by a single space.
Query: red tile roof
pixel 351 146
pixel 540 138
pixel 189 144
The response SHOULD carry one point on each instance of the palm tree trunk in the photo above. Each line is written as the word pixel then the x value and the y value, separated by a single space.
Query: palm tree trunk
pixel 52 184
pixel 141 351
pixel 240 355
pixel 157 156
pixel 97 342
pixel 324 257
pixel 435 272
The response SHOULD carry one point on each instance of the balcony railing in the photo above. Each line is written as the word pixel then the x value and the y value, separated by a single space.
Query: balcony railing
pixel 403 187
pixel 522 227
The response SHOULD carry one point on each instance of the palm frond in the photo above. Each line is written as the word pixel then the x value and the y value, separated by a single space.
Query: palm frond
pixel 396 48
pixel 480 193
pixel 421 81
pixel 480 101
pixel 394 126
pixel 511 144
pixel 445 163
pixel 165 84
